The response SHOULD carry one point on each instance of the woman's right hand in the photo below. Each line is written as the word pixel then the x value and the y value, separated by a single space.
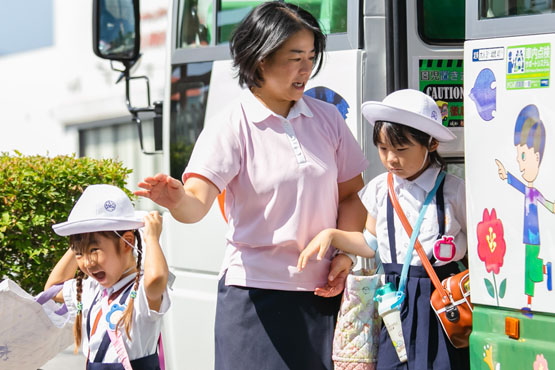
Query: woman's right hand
pixel 162 189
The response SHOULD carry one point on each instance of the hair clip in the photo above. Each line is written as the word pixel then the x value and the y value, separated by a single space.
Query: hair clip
pixel 133 294
pixel 79 307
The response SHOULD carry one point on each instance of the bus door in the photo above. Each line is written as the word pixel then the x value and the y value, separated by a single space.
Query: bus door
pixel 510 182
pixel 434 37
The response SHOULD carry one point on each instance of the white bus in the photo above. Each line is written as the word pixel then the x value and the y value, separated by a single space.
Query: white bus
pixel 374 47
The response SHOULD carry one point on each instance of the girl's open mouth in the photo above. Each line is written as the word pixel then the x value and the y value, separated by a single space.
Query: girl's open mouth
pixel 99 275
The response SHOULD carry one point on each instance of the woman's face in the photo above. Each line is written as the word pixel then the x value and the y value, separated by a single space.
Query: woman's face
pixel 286 72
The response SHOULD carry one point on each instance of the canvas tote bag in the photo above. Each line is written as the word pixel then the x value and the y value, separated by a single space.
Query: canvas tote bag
pixel 33 329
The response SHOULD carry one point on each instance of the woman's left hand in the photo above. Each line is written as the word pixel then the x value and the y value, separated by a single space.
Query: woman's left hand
pixel 339 269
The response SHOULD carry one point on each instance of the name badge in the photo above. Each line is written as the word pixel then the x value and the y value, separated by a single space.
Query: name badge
pixel 444 248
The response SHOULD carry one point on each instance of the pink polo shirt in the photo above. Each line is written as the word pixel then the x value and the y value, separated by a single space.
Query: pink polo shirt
pixel 281 178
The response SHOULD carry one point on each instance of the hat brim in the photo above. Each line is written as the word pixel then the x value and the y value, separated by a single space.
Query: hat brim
pixel 97 224
pixel 377 111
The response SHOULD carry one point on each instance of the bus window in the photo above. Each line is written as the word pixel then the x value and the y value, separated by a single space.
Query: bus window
pixel 189 92
pixel 231 14
pixel 504 8
pixel 441 22
pixel 195 20
pixel 332 15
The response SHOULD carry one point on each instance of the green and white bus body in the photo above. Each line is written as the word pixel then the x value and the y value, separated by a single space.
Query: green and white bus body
pixel 507 70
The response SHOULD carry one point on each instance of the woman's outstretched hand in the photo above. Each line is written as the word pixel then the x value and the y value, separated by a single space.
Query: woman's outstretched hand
pixel 162 189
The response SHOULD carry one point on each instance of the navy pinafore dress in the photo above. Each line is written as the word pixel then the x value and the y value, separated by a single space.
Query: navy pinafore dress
pixel 150 362
pixel 427 345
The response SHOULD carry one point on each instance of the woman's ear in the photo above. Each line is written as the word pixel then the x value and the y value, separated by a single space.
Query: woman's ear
pixel 128 236
pixel 261 66
pixel 433 145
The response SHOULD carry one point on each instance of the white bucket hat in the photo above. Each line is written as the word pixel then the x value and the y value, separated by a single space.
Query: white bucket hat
pixel 410 108
pixel 101 208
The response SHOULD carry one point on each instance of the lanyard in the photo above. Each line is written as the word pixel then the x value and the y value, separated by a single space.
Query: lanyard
pixel 413 234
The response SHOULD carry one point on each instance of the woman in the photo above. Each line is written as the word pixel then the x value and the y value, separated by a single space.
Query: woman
pixel 291 168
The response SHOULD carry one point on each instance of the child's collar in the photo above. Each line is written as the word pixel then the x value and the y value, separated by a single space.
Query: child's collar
pixel 120 284
pixel 425 181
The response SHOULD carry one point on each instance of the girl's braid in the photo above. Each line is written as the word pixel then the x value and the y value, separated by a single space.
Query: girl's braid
pixel 127 317
pixel 79 317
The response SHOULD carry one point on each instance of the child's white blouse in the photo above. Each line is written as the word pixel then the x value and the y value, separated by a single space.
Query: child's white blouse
pixel 146 325
pixel 411 196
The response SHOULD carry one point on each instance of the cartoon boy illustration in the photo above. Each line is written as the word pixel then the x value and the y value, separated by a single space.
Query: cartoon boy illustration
pixel 529 140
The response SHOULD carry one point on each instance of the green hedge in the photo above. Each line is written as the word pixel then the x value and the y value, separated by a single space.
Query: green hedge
pixel 35 193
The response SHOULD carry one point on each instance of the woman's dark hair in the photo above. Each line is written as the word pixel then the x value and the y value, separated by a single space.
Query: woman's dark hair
pixel 263 32
pixel 398 135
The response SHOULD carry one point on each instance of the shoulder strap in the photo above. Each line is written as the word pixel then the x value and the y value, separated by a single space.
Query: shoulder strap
pixel 406 224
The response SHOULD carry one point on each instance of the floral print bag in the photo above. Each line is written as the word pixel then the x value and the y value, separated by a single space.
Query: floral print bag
pixel 357 333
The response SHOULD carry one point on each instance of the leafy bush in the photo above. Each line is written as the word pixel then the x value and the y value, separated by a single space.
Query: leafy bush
pixel 35 193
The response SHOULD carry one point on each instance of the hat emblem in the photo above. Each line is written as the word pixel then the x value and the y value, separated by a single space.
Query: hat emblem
pixel 110 205
pixel 434 115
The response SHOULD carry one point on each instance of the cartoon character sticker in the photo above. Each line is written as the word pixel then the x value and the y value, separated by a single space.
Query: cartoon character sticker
pixel 529 140
pixel 328 95
pixel 483 94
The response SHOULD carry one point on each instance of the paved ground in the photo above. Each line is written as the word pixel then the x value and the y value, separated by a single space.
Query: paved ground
pixel 66 360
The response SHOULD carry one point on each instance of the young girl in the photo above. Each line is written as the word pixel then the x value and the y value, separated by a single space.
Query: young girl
pixel 407 132
pixel 118 308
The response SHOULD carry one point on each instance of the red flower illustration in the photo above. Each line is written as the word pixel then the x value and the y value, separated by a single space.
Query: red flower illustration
pixel 491 243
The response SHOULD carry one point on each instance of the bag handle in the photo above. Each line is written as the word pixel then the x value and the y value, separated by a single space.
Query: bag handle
pixel 406 224
pixel 50 293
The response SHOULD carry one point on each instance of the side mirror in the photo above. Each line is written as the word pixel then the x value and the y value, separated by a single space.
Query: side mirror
pixel 116 29
pixel 117 37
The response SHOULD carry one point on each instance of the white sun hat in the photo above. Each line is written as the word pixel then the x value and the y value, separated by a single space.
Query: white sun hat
pixel 410 108
pixel 101 208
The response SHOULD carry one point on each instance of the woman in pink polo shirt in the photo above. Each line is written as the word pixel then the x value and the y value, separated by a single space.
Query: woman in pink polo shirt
pixel 291 168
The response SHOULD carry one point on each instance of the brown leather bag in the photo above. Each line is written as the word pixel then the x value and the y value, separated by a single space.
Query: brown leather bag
pixel 451 298
pixel 455 316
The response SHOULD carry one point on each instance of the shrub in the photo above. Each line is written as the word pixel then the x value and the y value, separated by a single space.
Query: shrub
pixel 35 193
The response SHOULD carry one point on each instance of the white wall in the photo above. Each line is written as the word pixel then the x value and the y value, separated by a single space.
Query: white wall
pixel 45 90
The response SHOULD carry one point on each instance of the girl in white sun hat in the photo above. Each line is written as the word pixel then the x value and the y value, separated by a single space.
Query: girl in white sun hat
pixel 407 131
pixel 116 300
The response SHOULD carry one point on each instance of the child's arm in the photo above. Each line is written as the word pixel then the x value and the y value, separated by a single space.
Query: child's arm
pixel 63 271
pixel 155 267
pixel 347 241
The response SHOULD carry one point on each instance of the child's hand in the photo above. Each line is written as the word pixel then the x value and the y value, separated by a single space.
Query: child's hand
pixel 153 225
pixel 319 244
